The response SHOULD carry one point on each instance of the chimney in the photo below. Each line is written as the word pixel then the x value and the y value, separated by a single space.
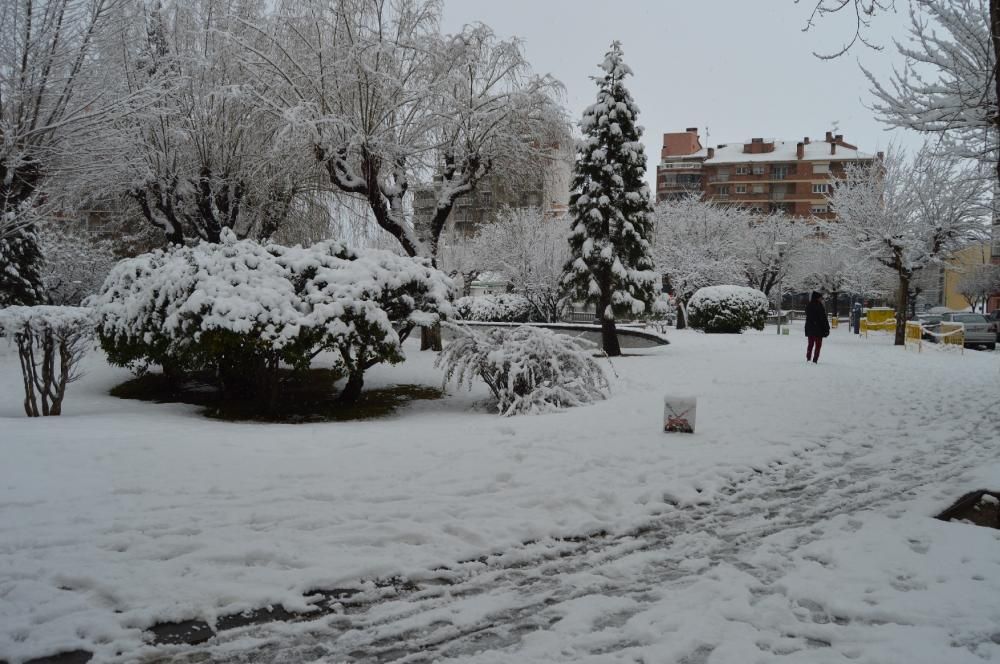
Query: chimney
pixel 839 138
pixel 711 153
pixel 806 140
pixel 881 156
pixel 833 148
pixel 800 150
pixel 829 137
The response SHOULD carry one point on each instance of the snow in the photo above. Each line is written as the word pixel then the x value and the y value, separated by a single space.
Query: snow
pixel 732 153
pixel 794 525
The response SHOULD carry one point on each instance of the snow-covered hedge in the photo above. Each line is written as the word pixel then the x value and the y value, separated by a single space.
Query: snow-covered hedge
pixel 499 308
pixel 50 341
pixel 727 309
pixel 244 309
pixel 528 369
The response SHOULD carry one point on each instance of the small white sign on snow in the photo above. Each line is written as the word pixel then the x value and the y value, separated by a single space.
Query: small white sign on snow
pixel 679 414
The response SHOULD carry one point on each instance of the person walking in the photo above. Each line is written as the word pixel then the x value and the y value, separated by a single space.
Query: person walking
pixel 817 326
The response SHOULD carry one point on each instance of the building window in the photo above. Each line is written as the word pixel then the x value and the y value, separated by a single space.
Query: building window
pixel 741 189
pixel 821 168
pixel 758 189
pixel 820 209
pixel 779 172
pixel 758 170
pixel 724 190
pixel 742 170
pixel 821 188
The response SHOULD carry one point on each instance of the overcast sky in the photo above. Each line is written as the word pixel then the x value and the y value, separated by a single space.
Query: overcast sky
pixel 742 68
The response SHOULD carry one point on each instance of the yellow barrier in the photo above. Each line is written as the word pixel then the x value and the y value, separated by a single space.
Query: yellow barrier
pixel 914 333
pixel 875 326
pixel 956 339
pixel 834 322
pixel 877 315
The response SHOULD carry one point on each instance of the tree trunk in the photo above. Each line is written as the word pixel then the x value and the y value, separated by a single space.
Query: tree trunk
pixel 995 31
pixel 681 315
pixel 609 335
pixel 352 390
pixel 902 302
pixel 835 300
pixel 430 338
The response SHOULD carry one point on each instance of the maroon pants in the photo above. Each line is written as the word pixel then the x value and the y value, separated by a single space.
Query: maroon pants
pixel 814 343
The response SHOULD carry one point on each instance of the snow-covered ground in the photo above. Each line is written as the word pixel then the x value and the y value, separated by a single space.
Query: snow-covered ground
pixel 793 526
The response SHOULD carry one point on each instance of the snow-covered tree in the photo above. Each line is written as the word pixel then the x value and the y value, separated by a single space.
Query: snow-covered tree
pixel 52 97
pixel 696 244
pixel 611 262
pixel 21 259
pixel 908 215
pixel 949 85
pixel 386 104
pixel 978 283
pixel 830 267
pixel 76 261
pixel 51 342
pixel 772 248
pixel 205 156
pixel 529 250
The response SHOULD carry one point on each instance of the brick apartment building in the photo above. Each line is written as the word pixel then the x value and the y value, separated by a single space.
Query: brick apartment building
pixel 761 174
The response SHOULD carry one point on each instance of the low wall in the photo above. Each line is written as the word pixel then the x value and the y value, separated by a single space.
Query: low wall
pixel 628 336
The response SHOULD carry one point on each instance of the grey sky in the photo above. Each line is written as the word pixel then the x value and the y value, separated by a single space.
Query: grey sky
pixel 743 68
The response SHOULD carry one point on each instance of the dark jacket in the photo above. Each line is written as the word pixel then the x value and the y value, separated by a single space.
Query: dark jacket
pixel 817 324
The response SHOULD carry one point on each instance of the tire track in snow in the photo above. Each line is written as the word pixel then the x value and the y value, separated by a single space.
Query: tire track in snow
pixel 515 594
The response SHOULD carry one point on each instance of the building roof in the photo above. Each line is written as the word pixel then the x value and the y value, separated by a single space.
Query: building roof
pixel 732 153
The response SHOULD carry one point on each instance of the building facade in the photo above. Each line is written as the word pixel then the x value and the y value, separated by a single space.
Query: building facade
pixel 760 174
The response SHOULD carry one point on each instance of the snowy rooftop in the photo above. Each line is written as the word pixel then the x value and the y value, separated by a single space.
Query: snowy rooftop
pixel 732 153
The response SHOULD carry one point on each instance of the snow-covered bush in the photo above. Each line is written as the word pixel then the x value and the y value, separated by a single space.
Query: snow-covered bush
pixel 528 369
pixel 243 309
pixel 499 308
pixel 50 341
pixel 727 309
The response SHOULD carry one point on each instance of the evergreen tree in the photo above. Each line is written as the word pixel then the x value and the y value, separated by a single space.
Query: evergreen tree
pixel 611 262
pixel 20 268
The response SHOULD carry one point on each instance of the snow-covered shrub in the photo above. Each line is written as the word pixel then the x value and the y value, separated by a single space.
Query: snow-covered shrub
pixel 528 369
pixel 727 309
pixel 499 308
pixel 50 341
pixel 243 309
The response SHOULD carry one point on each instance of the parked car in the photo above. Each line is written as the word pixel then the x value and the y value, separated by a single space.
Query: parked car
pixel 994 317
pixel 930 322
pixel 978 330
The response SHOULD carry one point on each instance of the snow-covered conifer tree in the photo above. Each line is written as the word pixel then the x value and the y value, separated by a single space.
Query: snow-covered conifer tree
pixel 611 262
pixel 20 268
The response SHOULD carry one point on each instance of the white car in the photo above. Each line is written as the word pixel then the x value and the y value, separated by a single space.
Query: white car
pixel 978 330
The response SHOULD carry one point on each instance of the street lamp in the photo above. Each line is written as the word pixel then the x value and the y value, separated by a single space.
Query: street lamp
pixel 780 248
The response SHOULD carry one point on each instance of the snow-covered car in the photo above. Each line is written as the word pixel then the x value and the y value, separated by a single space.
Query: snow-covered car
pixel 978 330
